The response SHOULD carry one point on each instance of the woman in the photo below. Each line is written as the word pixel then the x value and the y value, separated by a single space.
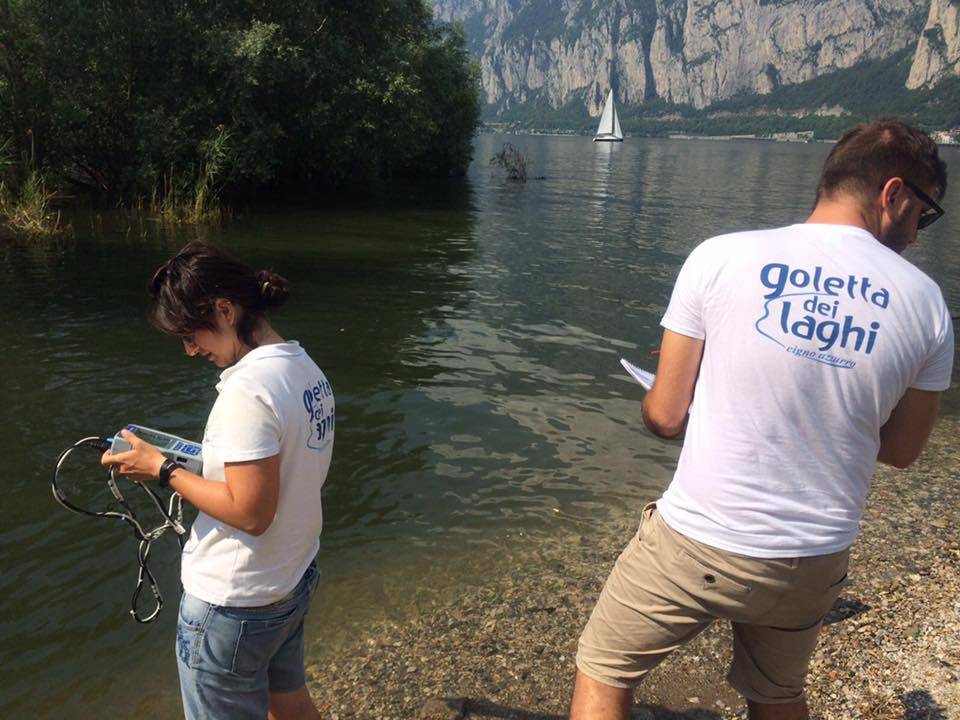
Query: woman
pixel 249 567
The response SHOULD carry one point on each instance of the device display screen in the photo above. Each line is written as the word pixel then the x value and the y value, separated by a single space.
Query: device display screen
pixel 164 442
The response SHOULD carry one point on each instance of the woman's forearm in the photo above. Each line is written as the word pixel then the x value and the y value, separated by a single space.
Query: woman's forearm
pixel 246 500
pixel 216 500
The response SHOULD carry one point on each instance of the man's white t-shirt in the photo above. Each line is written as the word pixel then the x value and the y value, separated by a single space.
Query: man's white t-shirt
pixel 812 335
pixel 275 400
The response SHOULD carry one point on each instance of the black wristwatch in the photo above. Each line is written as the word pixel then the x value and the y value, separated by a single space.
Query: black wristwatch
pixel 166 470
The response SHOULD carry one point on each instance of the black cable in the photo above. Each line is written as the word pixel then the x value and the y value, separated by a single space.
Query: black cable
pixel 172 520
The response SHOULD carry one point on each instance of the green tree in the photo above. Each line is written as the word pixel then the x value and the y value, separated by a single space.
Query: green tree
pixel 128 98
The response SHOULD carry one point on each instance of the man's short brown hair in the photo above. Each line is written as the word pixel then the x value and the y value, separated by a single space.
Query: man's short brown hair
pixel 871 153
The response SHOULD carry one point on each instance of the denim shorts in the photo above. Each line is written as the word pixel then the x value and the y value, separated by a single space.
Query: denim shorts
pixel 231 658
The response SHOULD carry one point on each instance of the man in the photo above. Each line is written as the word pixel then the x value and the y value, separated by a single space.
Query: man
pixel 803 355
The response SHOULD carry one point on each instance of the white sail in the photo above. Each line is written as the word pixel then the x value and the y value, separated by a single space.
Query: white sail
pixel 609 128
pixel 606 118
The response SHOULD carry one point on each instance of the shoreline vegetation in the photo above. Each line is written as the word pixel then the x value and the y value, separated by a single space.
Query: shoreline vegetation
pixel 273 105
pixel 503 648
pixel 797 137
pixel 185 112
pixel 786 136
pixel 26 209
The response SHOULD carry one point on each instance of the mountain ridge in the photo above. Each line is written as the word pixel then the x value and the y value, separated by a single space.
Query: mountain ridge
pixel 558 59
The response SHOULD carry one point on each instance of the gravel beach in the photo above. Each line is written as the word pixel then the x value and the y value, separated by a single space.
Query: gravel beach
pixel 503 648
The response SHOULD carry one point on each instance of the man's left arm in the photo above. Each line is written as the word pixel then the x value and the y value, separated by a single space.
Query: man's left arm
pixel 905 434
pixel 666 406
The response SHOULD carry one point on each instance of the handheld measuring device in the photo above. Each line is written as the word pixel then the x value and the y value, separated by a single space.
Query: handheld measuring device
pixel 187 453
pixel 82 497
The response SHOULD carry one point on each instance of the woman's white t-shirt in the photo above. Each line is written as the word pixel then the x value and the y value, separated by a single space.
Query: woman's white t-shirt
pixel 275 400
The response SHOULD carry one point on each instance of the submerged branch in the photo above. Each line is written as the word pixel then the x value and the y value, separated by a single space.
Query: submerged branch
pixel 513 161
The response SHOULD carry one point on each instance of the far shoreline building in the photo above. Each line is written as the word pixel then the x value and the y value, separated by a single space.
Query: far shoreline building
pixel 946 137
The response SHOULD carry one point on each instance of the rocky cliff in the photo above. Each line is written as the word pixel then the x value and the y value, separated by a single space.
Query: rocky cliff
pixel 695 52
pixel 938 52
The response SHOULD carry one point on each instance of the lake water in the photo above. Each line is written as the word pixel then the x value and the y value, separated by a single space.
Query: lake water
pixel 471 331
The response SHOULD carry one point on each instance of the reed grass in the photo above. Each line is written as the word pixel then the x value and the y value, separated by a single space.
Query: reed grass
pixel 27 210
pixel 180 198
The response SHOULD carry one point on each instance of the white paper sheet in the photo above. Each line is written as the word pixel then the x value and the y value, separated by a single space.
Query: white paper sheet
pixel 643 377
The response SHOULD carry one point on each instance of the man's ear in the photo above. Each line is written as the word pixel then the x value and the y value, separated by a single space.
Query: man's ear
pixel 891 194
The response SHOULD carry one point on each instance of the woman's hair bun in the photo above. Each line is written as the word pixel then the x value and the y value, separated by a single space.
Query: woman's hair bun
pixel 274 289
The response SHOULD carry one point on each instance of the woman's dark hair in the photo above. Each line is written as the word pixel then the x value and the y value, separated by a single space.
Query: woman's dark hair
pixel 871 153
pixel 185 288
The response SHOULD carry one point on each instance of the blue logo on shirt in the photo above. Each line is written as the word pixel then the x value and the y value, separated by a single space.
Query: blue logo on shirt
pixel 321 414
pixel 811 314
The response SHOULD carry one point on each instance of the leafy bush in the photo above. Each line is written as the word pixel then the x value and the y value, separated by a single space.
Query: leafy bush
pixel 128 100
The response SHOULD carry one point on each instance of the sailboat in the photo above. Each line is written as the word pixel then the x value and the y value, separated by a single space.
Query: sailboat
pixel 609 128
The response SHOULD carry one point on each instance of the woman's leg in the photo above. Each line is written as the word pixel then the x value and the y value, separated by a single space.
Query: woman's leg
pixel 211 684
pixel 294 705
pixel 289 697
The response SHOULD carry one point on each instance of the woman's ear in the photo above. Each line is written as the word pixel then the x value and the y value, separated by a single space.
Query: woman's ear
pixel 226 311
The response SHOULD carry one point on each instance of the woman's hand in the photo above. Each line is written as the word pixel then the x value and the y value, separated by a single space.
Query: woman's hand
pixel 140 464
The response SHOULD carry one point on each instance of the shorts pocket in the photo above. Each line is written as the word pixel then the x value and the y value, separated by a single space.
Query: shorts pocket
pixel 314 581
pixel 705 577
pixel 260 637
pixel 841 583
pixel 192 619
pixel 842 570
pixel 646 517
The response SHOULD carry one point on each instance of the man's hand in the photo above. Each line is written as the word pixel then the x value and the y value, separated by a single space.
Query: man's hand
pixel 140 464
pixel 666 405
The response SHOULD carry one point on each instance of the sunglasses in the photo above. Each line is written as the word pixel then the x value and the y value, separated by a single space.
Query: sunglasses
pixel 928 218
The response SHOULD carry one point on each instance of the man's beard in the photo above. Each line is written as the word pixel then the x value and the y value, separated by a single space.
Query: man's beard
pixel 896 237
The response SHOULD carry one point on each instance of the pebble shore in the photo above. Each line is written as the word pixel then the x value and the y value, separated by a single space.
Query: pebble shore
pixel 503 649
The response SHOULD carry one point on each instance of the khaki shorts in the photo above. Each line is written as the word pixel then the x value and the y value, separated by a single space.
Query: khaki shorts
pixel 666 588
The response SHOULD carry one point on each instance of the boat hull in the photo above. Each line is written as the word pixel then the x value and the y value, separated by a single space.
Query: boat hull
pixel 607 138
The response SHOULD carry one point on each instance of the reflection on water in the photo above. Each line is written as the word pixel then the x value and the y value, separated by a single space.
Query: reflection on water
pixel 472 333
